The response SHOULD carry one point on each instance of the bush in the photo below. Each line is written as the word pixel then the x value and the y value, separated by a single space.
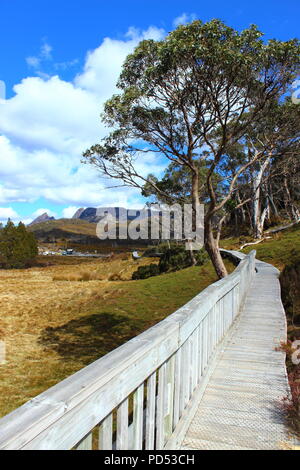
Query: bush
pixel 144 272
pixel 177 257
pixel 290 290
pixel 18 247
pixel 172 259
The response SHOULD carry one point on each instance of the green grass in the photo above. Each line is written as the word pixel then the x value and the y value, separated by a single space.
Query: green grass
pixel 282 249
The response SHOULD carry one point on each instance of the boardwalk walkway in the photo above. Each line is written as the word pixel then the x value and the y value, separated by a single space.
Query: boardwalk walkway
pixel 239 408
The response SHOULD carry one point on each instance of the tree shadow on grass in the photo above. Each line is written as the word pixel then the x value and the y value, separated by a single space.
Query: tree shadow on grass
pixel 90 337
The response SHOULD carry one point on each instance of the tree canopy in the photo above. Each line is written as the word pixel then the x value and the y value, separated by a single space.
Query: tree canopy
pixel 18 247
pixel 193 97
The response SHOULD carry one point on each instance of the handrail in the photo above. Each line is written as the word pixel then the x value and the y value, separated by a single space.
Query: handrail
pixel 135 396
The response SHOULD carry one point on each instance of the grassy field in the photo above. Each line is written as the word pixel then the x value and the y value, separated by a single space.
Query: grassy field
pixel 282 249
pixel 52 326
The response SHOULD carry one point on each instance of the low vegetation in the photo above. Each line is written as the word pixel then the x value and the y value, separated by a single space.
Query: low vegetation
pixel 53 328
pixel 173 258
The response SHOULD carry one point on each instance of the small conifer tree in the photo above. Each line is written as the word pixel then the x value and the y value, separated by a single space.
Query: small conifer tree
pixel 18 247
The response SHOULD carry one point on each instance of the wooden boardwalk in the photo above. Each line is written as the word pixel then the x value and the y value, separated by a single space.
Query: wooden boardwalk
pixel 240 406
pixel 210 372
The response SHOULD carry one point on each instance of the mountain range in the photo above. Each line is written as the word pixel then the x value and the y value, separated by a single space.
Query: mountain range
pixel 92 214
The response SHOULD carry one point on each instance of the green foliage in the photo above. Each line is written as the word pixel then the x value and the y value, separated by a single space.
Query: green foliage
pixel 177 257
pixel 144 272
pixel 172 259
pixel 290 292
pixel 18 247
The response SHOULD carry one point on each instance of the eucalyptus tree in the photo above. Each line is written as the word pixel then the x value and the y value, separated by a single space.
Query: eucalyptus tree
pixel 277 138
pixel 174 95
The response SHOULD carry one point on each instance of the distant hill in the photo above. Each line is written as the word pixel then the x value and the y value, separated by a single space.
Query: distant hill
pixel 41 218
pixel 91 214
pixel 81 228
pixel 71 229
pixel 75 231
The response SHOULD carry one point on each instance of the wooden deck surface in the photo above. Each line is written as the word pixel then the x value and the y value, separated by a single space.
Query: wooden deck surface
pixel 240 408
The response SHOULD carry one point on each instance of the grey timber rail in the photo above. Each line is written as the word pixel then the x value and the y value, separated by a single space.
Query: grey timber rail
pixel 240 408
pixel 206 377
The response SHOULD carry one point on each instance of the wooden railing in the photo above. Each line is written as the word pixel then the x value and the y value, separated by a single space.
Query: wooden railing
pixel 141 395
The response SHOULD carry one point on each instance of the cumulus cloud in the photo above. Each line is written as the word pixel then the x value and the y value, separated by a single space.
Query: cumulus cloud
pixel 68 212
pixel 184 19
pixel 42 211
pixel 103 65
pixel 8 213
pixel 49 122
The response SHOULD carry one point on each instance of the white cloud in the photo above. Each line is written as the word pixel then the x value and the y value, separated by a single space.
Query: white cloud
pixel 49 122
pixel 41 211
pixel 103 65
pixel 184 19
pixel 33 61
pixel 46 50
pixel 68 212
pixel 8 213
pixel 44 55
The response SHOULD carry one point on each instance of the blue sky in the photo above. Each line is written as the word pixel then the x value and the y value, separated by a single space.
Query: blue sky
pixel 59 61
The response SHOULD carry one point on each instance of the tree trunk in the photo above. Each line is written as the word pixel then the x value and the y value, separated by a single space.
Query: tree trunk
pixel 211 245
pixel 241 208
pixel 212 248
pixel 290 208
pixel 258 221
pixel 195 205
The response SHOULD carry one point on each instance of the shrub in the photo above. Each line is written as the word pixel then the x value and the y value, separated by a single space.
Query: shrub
pixel 172 259
pixel 177 257
pixel 144 272
pixel 290 288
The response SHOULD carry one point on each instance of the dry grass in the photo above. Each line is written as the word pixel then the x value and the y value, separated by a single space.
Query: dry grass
pixel 53 328
pixel 118 268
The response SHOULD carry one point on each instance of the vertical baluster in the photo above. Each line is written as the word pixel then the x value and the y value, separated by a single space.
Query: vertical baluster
pixel 188 367
pixel 183 378
pixel 223 316
pixel 169 398
pixel 86 443
pixel 219 320
pixel 195 359
pixel 138 410
pixel 192 357
pixel 150 412
pixel 203 364
pixel 122 426
pixel 160 441
pixel 227 302
pixel 215 326
pixel 210 338
pixel 232 305
pixel 205 341
pixel 225 306
pixel 200 350
pixel 176 415
pixel 105 433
